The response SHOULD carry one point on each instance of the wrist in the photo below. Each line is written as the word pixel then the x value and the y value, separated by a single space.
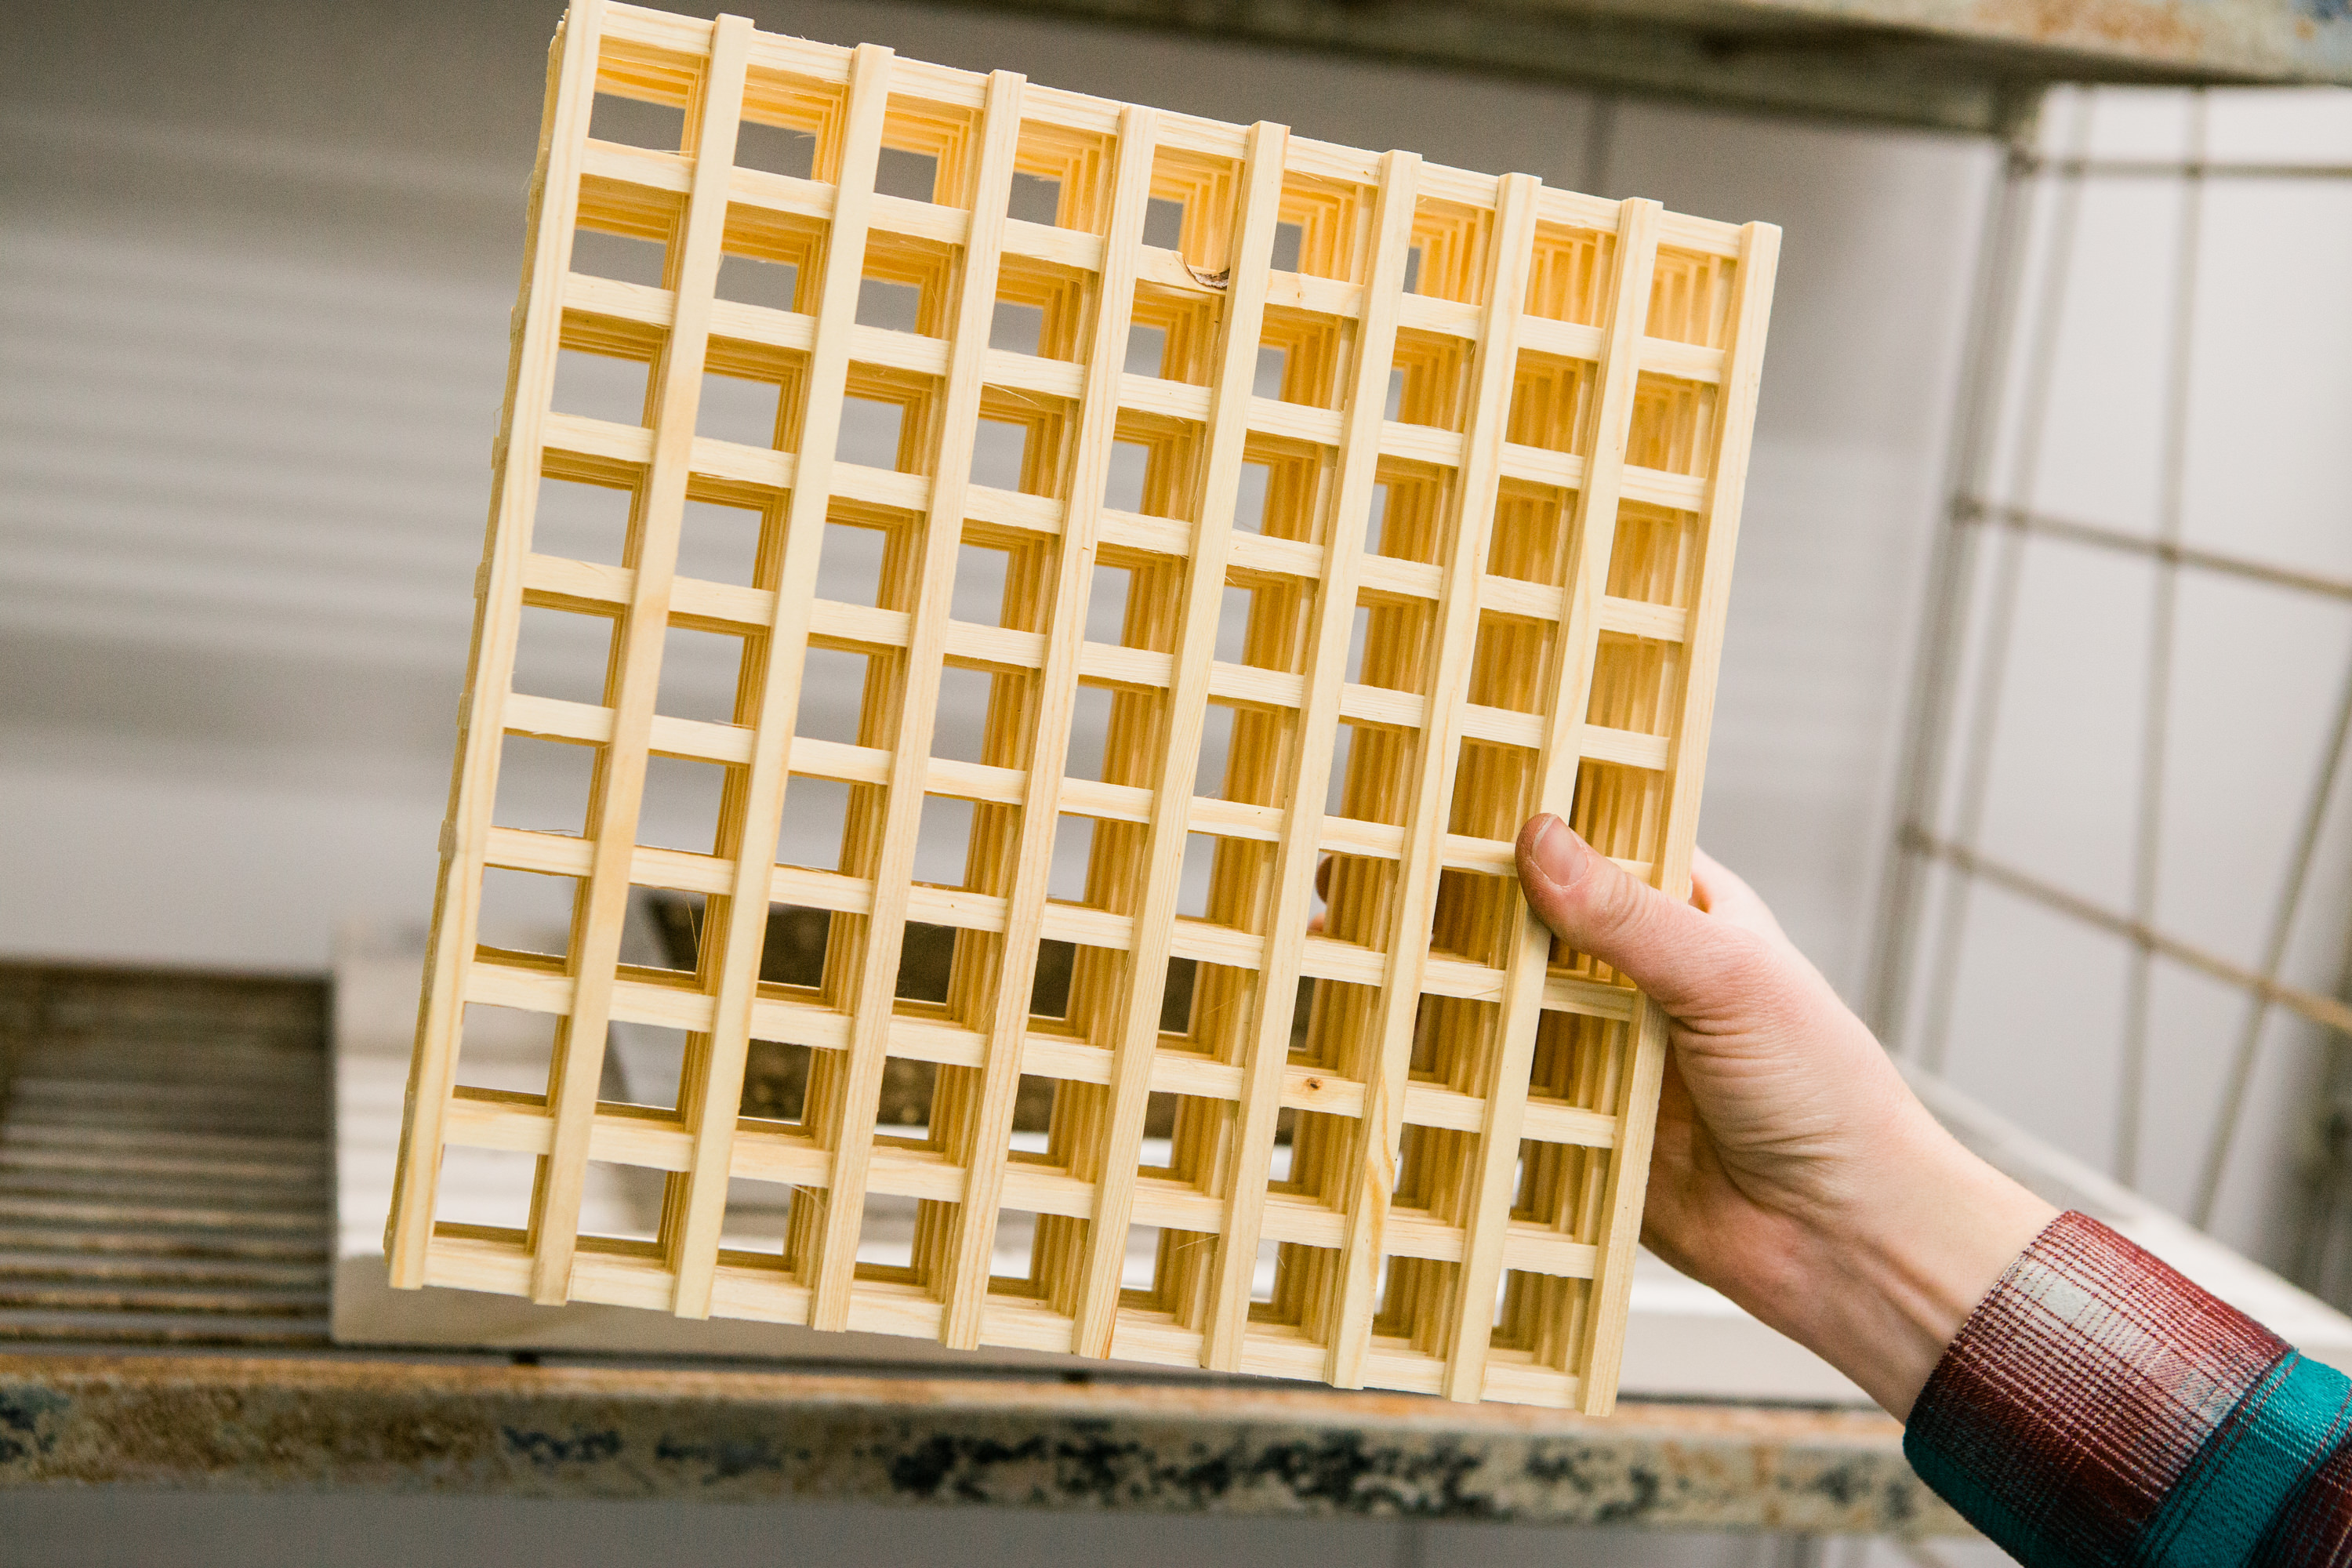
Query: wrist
pixel 1880 1284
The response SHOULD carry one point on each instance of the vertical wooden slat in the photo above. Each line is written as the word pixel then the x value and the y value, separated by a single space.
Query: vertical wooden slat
pixel 619 790
pixel 1759 251
pixel 1431 792
pixel 1186 710
pixel 852 1136
pixel 744 934
pixel 1593 537
pixel 498 617
pixel 966 1289
pixel 1293 878
pixel 768 776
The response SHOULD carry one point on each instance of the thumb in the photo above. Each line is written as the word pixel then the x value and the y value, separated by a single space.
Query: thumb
pixel 1670 949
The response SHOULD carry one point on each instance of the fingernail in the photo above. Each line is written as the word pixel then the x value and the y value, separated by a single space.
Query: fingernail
pixel 1558 854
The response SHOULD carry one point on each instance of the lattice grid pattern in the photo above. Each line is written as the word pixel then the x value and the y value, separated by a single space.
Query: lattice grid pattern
pixel 1429 500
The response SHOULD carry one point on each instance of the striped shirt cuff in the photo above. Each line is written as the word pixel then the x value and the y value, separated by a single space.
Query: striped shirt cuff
pixel 2098 1408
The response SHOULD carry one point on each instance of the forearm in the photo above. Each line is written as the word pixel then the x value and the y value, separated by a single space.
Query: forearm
pixel 1879 1286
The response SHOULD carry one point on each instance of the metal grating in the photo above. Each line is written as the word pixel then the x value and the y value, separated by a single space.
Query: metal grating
pixel 163 1159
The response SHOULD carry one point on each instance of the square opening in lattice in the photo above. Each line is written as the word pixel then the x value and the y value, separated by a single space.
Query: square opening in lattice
pixel 1254 283
pixel 526 911
pixel 814 825
pixel 1452 240
pixel 1369 781
pixel 1656 560
pixel 794 945
pixel 1416 504
pixel 635 123
pixel 1307 355
pixel 719 542
pixel 1176 331
pixel 639 258
pixel 1568 275
pixel 943 842
pixel 581 521
pixel 767 258
pixel 1672 422
pixel 852 561
pixel 608 387
pixel 909 176
pixel 739 409
pixel 505 1050
pixel 909 1089
pixel 1436 386
pixel 908 286
pixel 1511 664
pixel 759 1212
pixel 1070 873
pixel 681 806
pixel 839 696
pixel 1636 685
pixel 544 785
pixel 564 655
pixel 486 1189
pixel 1493 789
pixel 1077 167
pixel 1690 297
pixel 1475 917
pixel 1323 230
pixel 700 675
pixel 877 431
pixel 1041 309
pixel 646 1063
pixel 1550 400
pixel 926 964
pixel 778 149
pixel 775 1080
pixel 1272 499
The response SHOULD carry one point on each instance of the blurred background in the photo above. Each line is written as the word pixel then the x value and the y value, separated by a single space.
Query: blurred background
pixel 2038 667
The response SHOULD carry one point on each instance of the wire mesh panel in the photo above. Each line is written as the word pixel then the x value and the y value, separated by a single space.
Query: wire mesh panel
pixel 1352 509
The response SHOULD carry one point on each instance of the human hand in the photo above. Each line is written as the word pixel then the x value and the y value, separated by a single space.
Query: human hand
pixel 1793 1169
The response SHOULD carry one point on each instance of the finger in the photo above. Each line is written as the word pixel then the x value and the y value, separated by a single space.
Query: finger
pixel 1672 951
pixel 1725 894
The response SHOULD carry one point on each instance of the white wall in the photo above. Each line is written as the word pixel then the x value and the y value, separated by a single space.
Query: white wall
pixel 255 279
pixel 2038 1025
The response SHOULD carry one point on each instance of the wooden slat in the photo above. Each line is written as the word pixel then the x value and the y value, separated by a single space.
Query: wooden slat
pixel 736 929
pixel 1760 247
pixel 1432 790
pixel 498 618
pixel 1565 745
pixel 1185 715
pixel 971 1243
pixel 1299 846
pixel 830 1272
pixel 619 788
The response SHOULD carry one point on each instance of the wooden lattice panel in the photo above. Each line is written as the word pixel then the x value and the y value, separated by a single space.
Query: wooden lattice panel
pixel 1432 523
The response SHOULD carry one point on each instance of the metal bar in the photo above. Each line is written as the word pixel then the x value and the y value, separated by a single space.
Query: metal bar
pixel 2325 1011
pixel 1969 510
pixel 2147 838
pixel 1975 753
pixel 1951 576
pixel 2242 1059
pixel 2183 169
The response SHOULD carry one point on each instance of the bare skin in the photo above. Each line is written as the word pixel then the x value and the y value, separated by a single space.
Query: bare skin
pixel 1794 1170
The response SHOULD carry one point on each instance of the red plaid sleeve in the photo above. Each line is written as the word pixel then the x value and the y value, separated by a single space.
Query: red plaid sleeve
pixel 2099 1408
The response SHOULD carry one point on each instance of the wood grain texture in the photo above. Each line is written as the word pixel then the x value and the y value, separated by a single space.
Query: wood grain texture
pixel 1413 494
